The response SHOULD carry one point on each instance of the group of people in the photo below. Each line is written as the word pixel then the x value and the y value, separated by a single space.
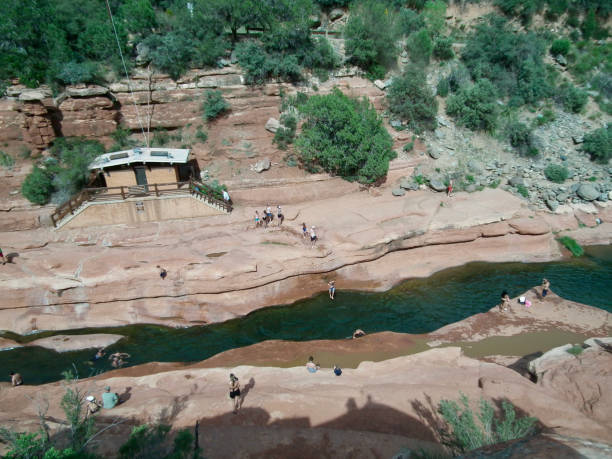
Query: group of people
pixel 313 367
pixel 268 216
pixel 506 302
pixel 311 233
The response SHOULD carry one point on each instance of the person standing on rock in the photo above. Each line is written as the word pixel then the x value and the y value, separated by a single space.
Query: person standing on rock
pixel 257 219
pixel 234 392
pixel 332 289
pixel 505 301
pixel 304 230
pixel 279 214
pixel 449 188
pixel 545 287
pixel 313 237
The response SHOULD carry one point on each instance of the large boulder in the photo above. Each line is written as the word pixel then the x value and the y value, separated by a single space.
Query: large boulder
pixel 398 191
pixel 272 125
pixel 436 183
pixel 336 14
pixel 550 359
pixel 516 181
pixel 262 165
pixel 587 192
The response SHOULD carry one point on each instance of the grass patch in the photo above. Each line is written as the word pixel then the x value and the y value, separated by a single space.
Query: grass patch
pixel 522 190
pixel 571 245
pixel 6 160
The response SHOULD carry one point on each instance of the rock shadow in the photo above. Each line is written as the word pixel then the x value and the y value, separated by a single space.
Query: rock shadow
pixel 521 366
pixel 10 257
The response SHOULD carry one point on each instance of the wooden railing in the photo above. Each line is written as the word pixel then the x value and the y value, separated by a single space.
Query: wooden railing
pixel 115 193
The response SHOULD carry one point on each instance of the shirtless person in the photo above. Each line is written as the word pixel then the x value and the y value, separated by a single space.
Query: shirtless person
pixel 117 359
pixel 545 287
pixel 505 301
pixel 16 379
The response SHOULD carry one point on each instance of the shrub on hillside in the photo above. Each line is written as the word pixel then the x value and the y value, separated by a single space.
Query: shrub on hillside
pixel 475 107
pixel 411 100
pixel 214 104
pixel 37 186
pixel 443 87
pixel 345 137
pixel 465 432
pixel 572 98
pixel 6 160
pixel 420 46
pixel 598 144
pixel 285 134
pixel 409 21
pixel 556 173
pixel 519 136
pixel 370 35
pixel 443 48
pixel 571 245
pixel 560 47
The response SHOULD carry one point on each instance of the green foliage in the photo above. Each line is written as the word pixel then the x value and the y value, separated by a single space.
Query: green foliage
pixel 468 430
pixel 121 136
pixel 475 107
pixel 512 61
pixel 598 144
pixel 214 104
pixel 285 134
pixel 37 186
pixel 556 173
pixel 6 160
pixel 443 48
pixel 345 137
pixel 420 46
pixel 522 9
pixel 434 14
pixel 409 21
pixel 147 441
pixel 370 35
pixel 519 136
pixel 560 47
pixel 410 99
pixel 572 246
pixel 201 134
pixel 73 405
pixel 216 189
pixel 443 87
pixel 170 53
pixel 547 116
pixel 572 98
pixel 576 349
pixel 522 190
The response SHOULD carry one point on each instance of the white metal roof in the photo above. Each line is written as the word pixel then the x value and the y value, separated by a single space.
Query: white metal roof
pixel 141 155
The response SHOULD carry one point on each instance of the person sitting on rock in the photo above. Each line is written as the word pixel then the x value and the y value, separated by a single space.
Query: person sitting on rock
pixel 311 366
pixel 505 301
pixel 337 370
pixel 358 333
pixel 109 399
pixel 545 287
pixel 16 379
pixel 92 405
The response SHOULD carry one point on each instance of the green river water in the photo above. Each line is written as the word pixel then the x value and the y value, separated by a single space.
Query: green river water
pixel 414 306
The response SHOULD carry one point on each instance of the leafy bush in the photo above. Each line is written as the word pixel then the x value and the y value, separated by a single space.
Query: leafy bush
pixel 214 104
pixel 409 21
pixel 148 441
pixel 420 46
pixel 576 349
pixel 285 134
pixel 572 98
pixel 468 430
pixel 410 98
pixel 598 144
pixel 170 53
pixel 443 87
pixel 201 134
pixel 6 160
pixel 345 137
pixel 512 61
pixel 434 14
pixel 572 246
pixel 522 190
pixel 370 35
pixel 459 77
pixel 522 9
pixel 37 186
pixel 475 107
pixel 519 136
pixel 560 47
pixel 556 173
pixel 443 48
pixel 547 116
pixel 121 136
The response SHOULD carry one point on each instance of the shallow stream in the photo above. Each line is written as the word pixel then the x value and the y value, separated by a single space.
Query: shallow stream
pixel 414 306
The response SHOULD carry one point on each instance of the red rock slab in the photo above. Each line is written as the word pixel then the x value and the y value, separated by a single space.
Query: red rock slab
pixel 530 226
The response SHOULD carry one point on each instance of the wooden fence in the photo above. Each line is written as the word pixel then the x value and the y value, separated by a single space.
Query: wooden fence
pixel 122 193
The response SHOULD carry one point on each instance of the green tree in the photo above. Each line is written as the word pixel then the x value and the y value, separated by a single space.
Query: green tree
pixel 370 35
pixel 410 98
pixel 434 14
pixel 37 186
pixel 443 48
pixel 214 104
pixel 420 46
pixel 475 107
pixel 151 441
pixel 138 16
pixel 598 144
pixel 345 137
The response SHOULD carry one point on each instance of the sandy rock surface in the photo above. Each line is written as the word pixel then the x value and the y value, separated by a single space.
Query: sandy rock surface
pixel 65 343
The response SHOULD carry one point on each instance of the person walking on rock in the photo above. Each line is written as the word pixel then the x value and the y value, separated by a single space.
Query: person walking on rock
pixel 304 230
pixel 313 237
pixel 332 289
pixel 257 219
pixel 234 392
pixel 279 215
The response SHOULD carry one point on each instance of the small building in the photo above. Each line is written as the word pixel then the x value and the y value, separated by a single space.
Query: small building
pixel 143 166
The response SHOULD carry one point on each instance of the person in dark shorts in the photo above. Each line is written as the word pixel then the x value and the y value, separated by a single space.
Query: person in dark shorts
pixel 279 214
pixel 162 273
pixel 234 392
pixel 545 287
pixel 313 236
pixel 304 230
pixel 332 289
